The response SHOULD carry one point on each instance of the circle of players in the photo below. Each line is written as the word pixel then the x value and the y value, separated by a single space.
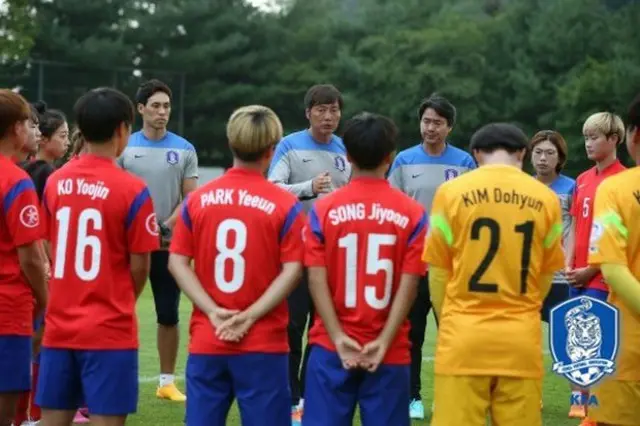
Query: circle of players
pixel 360 241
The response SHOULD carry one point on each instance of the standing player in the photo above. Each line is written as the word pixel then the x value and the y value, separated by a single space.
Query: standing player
pixel 495 243
pixel 168 164
pixel 548 156
pixel 101 227
pixel 30 147
pixel 22 274
pixel 418 172
pixel 602 132
pixel 309 163
pixel 254 262
pixel 614 248
pixel 363 246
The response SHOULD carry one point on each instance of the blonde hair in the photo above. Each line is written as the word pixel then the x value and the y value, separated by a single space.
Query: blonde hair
pixel 605 123
pixel 252 130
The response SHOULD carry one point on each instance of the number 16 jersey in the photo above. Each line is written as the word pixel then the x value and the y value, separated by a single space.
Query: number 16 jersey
pixel 498 231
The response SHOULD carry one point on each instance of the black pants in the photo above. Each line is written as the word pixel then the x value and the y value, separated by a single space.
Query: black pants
pixel 418 319
pixel 166 293
pixel 300 314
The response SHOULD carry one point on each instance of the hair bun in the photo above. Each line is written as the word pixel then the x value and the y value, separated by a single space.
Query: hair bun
pixel 40 106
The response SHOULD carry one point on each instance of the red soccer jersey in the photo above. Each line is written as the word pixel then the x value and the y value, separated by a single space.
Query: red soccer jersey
pixel 239 229
pixel 96 216
pixel 19 225
pixel 582 212
pixel 367 235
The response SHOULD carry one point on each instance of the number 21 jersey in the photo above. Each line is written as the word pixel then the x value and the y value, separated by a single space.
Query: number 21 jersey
pixel 366 235
pixel 498 231
pixel 96 216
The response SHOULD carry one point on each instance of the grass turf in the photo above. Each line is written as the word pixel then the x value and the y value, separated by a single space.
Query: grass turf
pixel 152 411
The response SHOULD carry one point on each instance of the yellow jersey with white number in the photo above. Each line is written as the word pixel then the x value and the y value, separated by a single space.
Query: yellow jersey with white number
pixel 498 231
pixel 615 239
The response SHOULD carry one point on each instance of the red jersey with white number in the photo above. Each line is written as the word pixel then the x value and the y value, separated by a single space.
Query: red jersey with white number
pixel 582 212
pixel 239 229
pixel 97 215
pixel 367 235
pixel 19 225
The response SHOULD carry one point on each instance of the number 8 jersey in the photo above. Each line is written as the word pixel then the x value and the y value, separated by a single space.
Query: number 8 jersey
pixel 96 216
pixel 239 229
pixel 366 235
pixel 498 231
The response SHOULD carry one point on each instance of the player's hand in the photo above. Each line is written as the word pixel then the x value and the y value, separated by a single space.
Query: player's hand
pixel 235 328
pixel 372 355
pixel 47 271
pixel 322 183
pixel 570 275
pixel 219 315
pixel 349 351
pixel 582 276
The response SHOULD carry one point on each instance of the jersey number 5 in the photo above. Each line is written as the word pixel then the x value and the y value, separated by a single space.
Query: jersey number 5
pixel 84 241
pixel 525 228
pixel 373 265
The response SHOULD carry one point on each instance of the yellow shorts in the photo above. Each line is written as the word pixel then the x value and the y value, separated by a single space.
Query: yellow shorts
pixel 618 403
pixel 469 400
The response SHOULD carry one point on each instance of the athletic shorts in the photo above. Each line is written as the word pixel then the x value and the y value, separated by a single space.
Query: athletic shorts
pixel 618 403
pixel 107 380
pixel 559 293
pixel 591 292
pixel 15 364
pixel 258 381
pixel 467 400
pixel 332 393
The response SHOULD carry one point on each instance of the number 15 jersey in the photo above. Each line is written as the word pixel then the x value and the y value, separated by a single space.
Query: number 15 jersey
pixel 498 231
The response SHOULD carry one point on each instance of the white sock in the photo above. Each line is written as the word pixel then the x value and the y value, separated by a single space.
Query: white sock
pixel 301 403
pixel 166 379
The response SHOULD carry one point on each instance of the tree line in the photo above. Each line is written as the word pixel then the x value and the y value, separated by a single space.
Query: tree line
pixel 542 64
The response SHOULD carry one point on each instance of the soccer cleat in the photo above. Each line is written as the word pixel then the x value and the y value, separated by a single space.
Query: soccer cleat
pixel 577 412
pixel 587 422
pixel 296 416
pixel 79 418
pixel 416 410
pixel 171 393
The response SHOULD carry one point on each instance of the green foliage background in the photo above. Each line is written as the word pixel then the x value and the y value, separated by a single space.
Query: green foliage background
pixel 543 64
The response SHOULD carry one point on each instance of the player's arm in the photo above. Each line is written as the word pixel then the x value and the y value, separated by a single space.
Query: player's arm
pixel 395 175
pixel 570 245
pixel 437 251
pixel 280 174
pixel 32 265
pixel 188 185
pixel 553 259
pixel 185 276
pixel 142 238
pixel 608 247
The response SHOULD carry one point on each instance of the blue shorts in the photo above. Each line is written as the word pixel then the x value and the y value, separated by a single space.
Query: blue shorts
pixel 107 380
pixel 331 393
pixel 38 323
pixel 15 364
pixel 260 383
pixel 591 292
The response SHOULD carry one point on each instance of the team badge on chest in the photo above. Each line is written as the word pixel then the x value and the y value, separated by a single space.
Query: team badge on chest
pixel 340 164
pixel 172 157
pixel 450 174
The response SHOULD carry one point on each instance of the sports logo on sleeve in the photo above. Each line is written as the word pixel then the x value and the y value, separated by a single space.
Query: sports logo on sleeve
pixel 584 339
pixel 29 216
pixel 340 163
pixel 151 224
pixel 450 174
pixel 172 157
pixel 596 233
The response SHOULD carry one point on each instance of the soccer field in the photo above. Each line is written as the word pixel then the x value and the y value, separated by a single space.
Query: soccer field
pixel 152 411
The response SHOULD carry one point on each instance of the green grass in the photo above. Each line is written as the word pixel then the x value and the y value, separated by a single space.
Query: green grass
pixel 152 411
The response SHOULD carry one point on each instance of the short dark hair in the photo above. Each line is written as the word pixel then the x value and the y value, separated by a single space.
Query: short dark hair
pixel 557 140
pixel 633 114
pixel 100 112
pixel 13 109
pixel 150 88
pixel 369 139
pixel 322 94
pixel 49 120
pixel 495 136
pixel 441 105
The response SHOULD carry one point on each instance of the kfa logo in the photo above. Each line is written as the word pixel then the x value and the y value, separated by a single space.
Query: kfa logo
pixel 584 399
pixel 581 351
pixel 172 157
pixel 450 174
pixel 340 164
